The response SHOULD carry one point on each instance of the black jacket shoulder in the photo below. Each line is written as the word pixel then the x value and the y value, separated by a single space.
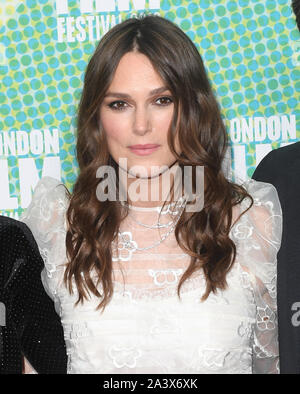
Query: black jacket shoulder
pixel 18 228
pixel 18 250
pixel 279 162
pixel 281 167
pixel 32 327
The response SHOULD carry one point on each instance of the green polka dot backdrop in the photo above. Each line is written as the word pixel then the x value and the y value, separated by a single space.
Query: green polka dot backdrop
pixel 251 50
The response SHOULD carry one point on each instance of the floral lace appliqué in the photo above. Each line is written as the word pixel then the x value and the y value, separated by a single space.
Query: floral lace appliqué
pixel 265 318
pixel 165 277
pixel 125 247
pixel 124 356
pixel 50 267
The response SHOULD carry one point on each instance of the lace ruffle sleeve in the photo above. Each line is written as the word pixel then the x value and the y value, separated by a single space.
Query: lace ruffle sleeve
pixel 45 217
pixel 258 236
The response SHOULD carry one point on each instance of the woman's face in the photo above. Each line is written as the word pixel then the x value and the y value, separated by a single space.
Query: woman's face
pixel 137 110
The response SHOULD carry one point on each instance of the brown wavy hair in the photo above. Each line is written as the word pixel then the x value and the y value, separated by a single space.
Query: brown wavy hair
pixel 92 224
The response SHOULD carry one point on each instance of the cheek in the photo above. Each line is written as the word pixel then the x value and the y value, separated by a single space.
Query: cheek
pixel 162 121
pixel 165 125
pixel 162 125
pixel 113 127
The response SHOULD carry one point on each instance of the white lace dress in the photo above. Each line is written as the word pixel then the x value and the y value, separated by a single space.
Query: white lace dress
pixel 145 328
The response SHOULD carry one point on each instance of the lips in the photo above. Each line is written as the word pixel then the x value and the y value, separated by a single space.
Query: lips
pixel 143 150
pixel 145 146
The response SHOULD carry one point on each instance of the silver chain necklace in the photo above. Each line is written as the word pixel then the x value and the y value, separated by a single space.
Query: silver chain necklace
pixel 154 226
pixel 182 202
pixel 131 244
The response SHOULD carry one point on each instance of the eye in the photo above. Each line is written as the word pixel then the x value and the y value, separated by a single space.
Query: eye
pixel 164 101
pixel 118 105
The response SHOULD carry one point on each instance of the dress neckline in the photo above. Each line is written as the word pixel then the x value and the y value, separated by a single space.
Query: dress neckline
pixel 156 208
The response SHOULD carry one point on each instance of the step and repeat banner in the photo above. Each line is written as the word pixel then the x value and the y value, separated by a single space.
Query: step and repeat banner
pixel 251 50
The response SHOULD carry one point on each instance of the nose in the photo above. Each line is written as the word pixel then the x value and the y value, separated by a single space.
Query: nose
pixel 142 121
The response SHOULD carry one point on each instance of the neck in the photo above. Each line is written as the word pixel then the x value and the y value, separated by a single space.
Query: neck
pixel 153 191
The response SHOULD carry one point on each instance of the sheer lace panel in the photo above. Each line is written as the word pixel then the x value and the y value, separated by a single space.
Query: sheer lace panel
pixel 146 328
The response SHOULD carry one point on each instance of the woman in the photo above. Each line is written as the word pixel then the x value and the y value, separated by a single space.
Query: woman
pixel 29 324
pixel 147 286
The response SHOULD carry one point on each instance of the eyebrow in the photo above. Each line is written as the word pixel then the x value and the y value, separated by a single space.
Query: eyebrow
pixel 126 96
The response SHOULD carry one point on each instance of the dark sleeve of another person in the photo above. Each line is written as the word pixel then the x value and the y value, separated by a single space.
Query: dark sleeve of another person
pixel 281 167
pixel 37 323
